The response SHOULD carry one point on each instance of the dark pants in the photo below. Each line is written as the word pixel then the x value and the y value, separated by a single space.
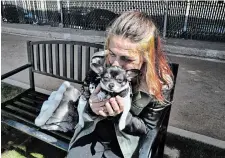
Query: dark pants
pixel 102 143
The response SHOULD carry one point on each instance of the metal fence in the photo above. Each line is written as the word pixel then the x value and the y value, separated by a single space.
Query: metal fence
pixel 201 20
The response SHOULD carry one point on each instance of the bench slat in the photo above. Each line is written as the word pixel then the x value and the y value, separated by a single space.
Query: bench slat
pixel 26 106
pixel 37 134
pixel 79 61
pixel 38 57
pixel 16 114
pixel 57 62
pixel 38 97
pixel 64 60
pixel 87 63
pixel 32 100
pixel 16 109
pixel 44 57
pixel 72 61
pixel 50 58
pixel 38 94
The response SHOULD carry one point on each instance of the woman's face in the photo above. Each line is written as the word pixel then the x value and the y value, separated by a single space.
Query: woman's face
pixel 120 54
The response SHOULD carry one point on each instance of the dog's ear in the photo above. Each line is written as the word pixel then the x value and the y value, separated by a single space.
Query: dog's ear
pixel 97 65
pixel 132 73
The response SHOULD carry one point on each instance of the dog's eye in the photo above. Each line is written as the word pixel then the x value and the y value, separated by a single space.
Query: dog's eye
pixel 119 80
pixel 106 78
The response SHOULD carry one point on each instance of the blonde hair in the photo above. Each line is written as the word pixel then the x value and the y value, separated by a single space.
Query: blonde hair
pixel 140 29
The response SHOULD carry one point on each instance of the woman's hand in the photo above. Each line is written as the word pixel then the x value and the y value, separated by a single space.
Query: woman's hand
pixel 114 106
pixel 111 107
pixel 97 106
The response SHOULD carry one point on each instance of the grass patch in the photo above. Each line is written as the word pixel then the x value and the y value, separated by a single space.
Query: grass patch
pixel 9 91
pixel 12 154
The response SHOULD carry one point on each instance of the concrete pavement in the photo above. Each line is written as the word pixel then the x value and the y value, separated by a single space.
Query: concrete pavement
pixel 198 106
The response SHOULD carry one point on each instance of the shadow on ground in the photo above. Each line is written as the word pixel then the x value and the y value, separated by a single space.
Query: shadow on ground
pixel 180 147
pixel 16 144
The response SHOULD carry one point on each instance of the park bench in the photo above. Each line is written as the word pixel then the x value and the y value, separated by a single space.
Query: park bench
pixel 69 61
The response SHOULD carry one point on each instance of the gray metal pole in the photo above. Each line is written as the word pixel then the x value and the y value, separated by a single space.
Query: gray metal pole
pixel 186 16
pixel 165 19
pixel 61 13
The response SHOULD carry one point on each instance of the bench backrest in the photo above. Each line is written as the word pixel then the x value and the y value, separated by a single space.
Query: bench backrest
pixel 67 60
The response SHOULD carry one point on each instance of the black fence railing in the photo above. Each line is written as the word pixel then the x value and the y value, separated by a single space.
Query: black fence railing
pixel 200 20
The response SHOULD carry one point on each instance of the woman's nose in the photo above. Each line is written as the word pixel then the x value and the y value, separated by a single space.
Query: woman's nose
pixel 116 63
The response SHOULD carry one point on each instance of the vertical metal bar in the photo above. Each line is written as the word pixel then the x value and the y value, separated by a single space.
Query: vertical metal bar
pixel 87 63
pixel 61 13
pixel 79 51
pixel 186 15
pixel 50 58
pixel 44 57
pixel 57 59
pixel 71 61
pixel 163 134
pixel 38 57
pixel 177 20
pixel 165 19
pixel 30 54
pixel 64 60
pixel 194 19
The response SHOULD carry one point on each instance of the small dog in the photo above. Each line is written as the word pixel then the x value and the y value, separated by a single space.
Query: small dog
pixel 116 81
pixel 113 81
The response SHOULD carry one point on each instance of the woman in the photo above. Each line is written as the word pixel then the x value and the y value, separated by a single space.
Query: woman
pixel 132 43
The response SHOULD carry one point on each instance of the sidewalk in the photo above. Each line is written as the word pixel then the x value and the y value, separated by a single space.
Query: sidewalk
pixel 213 50
pixel 198 105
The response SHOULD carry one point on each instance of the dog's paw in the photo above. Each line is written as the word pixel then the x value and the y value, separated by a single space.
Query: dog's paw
pixel 101 96
pixel 122 125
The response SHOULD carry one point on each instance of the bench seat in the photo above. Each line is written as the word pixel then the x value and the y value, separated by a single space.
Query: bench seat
pixel 20 113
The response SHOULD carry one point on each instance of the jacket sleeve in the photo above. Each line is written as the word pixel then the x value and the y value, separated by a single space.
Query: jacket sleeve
pixel 147 119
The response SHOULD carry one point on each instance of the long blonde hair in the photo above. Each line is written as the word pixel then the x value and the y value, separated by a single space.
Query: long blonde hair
pixel 140 29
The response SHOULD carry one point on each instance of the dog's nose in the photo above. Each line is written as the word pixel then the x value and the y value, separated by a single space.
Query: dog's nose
pixel 111 85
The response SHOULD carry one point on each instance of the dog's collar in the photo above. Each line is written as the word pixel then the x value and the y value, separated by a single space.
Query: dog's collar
pixel 122 94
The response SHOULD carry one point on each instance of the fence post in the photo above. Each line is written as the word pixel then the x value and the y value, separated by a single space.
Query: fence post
pixel 165 19
pixel 3 12
pixel 186 18
pixel 60 10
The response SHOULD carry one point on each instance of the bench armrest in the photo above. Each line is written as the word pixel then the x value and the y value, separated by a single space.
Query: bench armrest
pixel 15 71
pixel 149 142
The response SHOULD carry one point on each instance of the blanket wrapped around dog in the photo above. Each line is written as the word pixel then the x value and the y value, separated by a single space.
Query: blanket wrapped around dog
pixel 59 111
